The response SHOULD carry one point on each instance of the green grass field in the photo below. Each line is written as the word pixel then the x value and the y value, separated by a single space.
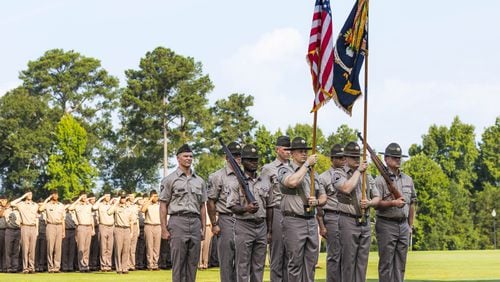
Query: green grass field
pixel 422 266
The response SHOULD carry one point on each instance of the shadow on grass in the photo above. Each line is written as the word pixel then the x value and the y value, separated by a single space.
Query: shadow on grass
pixel 376 280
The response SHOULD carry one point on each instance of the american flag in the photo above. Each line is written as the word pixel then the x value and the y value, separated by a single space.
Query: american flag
pixel 320 53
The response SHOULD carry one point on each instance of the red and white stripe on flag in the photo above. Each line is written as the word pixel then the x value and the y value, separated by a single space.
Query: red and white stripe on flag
pixel 320 53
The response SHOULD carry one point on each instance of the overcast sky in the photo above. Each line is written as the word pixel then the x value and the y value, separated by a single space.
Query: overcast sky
pixel 429 60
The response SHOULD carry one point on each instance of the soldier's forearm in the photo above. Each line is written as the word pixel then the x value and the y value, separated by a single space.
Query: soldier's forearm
pixel 211 211
pixel 237 209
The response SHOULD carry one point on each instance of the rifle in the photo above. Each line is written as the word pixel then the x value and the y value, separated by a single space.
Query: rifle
pixel 383 171
pixel 239 174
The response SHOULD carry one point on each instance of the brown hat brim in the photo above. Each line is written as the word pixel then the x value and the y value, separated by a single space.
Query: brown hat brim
pixel 351 155
pixel 392 155
pixel 303 148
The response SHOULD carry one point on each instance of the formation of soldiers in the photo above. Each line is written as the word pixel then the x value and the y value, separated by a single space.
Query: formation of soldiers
pixel 282 214
pixel 121 233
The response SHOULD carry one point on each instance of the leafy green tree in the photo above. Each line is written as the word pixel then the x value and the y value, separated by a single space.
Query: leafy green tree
pixel 232 119
pixel 484 203
pixel 454 149
pixel 68 168
pixel 25 133
pixel 167 94
pixel 343 135
pixel 435 207
pixel 208 163
pixel 306 131
pixel 72 83
pixel 489 156
pixel 265 143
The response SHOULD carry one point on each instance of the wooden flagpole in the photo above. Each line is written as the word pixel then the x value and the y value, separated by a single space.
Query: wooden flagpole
pixel 311 192
pixel 365 120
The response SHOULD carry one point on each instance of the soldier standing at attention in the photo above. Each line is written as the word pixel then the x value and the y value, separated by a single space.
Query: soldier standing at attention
pixel 69 241
pixel 253 220
pixel 152 229
pixel 394 218
pixel 140 252
pixel 220 184
pixel 106 228
pixel 279 261
pixel 55 214
pixel 354 226
pixel 135 208
pixel 3 227
pixel 329 222
pixel 28 211
pixel 299 225
pixel 94 243
pixel 124 218
pixel 41 242
pixel 183 197
pixel 12 238
pixel 84 229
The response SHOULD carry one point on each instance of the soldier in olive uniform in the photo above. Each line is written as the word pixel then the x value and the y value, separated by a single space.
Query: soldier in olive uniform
pixel 124 218
pixel 106 229
pixel 55 214
pixel 219 186
pixel 3 227
pixel 329 222
pixel 394 218
pixel 183 197
pixel 152 229
pixel 279 261
pixel 354 225
pixel 253 220
pixel 132 204
pixel 84 229
pixel 299 225
pixel 28 211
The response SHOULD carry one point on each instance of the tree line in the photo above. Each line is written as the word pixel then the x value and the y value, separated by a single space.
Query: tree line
pixel 70 126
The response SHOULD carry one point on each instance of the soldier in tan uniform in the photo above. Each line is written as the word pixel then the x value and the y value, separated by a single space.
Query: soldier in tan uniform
pixel 54 213
pixel 69 241
pixel 41 242
pixel 279 261
pixel 219 186
pixel 329 221
pixel 299 224
pixel 3 227
pixel 28 211
pixel 205 245
pixel 135 208
pixel 84 230
pixel 354 226
pixel 124 218
pixel 152 229
pixel 106 228
pixel 253 220
pixel 94 254
pixel 183 197
pixel 12 238
pixel 394 218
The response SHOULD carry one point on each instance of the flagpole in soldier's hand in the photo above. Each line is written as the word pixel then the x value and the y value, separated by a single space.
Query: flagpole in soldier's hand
pixel 312 194
pixel 365 121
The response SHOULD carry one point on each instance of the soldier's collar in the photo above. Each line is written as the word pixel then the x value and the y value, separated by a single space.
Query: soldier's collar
pixel 229 169
pixel 179 172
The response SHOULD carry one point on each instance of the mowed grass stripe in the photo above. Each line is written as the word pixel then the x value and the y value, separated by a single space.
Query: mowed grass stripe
pixel 422 266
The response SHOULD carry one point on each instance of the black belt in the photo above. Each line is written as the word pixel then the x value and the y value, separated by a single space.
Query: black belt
pixel 351 215
pixel 252 220
pixel 13 228
pixel 187 214
pixel 331 211
pixel 393 219
pixel 226 213
pixel 119 226
pixel 55 223
pixel 28 224
pixel 297 215
pixel 150 224
pixel 70 228
pixel 84 224
pixel 108 225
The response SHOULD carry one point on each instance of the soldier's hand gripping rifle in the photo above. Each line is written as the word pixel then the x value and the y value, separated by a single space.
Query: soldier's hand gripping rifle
pixel 239 174
pixel 383 171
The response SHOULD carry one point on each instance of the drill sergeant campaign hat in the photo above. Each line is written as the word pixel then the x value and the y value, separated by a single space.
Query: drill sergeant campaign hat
pixel 352 150
pixel 298 143
pixel 249 152
pixel 394 150
pixel 283 141
pixel 234 148
pixel 337 151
